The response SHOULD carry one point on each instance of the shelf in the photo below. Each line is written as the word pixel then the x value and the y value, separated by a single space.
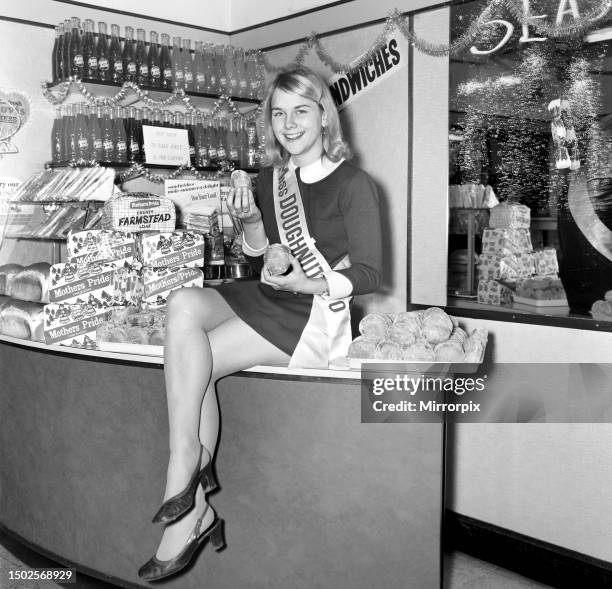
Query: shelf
pixel 34 237
pixel 127 165
pixel 153 91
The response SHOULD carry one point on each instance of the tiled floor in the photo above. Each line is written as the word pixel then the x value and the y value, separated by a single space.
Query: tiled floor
pixel 461 572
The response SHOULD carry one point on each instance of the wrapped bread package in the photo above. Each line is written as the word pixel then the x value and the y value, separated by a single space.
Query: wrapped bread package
pixel 100 284
pixel 7 271
pixel 506 241
pixel 491 292
pixel 139 211
pixel 30 283
pixel 172 248
pixel 101 246
pixel 71 324
pixel 545 261
pixel 510 216
pixel 21 319
pixel 158 283
pixel 509 267
pixel 127 325
pixel 542 288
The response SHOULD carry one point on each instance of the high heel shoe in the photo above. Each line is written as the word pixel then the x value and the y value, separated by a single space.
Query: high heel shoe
pixel 182 502
pixel 155 569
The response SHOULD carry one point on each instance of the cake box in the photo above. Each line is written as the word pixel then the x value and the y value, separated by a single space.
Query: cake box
pixel 158 283
pixel 101 245
pixel 175 248
pixel 73 324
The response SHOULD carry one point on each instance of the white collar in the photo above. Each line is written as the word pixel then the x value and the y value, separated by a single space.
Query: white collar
pixel 317 170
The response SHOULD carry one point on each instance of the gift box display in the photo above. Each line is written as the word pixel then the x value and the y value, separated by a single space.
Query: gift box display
pixel 491 292
pixel 509 267
pixel 510 216
pixel 176 248
pixel 101 245
pixel 545 261
pixel 158 283
pixel 506 241
pixel 74 283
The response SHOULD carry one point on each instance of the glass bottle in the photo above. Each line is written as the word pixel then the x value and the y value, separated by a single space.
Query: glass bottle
pixel 96 133
pixel 119 135
pixel 243 142
pixel 104 73
pixel 108 146
pixel 115 56
pixel 133 144
pixel 157 120
pixel 220 69
pixel 210 72
pixel 54 52
pixel 242 89
pixel 198 68
pixel 165 62
pixel 57 141
pixel 230 71
pixel 66 62
pixel 58 65
pixel 251 133
pixel 142 64
pixel 211 139
pixel 153 60
pixel 76 48
pixel 89 51
pixel 178 76
pixel 141 118
pixel 222 152
pixel 233 148
pixel 71 134
pixel 187 66
pixel 130 69
pixel 65 110
pixel 199 142
pixel 82 136
pixel 168 119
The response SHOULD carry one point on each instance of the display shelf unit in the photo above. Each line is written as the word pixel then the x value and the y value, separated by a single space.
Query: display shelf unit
pixel 153 92
pixel 126 165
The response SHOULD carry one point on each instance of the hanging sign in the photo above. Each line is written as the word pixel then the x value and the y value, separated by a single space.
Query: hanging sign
pixel 385 60
pixel 165 146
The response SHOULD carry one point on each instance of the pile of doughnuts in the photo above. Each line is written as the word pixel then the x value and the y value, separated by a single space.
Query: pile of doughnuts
pixel 129 326
pixel 428 335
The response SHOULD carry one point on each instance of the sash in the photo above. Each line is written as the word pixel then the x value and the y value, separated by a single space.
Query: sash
pixel 327 335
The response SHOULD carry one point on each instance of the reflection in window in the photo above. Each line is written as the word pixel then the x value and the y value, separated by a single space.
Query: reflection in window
pixel 531 130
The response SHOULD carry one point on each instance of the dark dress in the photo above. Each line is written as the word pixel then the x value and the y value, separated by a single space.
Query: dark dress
pixel 342 213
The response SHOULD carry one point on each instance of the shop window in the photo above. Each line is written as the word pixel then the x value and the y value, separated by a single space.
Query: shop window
pixel 531 129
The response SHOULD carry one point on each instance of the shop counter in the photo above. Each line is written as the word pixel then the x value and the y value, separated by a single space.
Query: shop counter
pixel 311 496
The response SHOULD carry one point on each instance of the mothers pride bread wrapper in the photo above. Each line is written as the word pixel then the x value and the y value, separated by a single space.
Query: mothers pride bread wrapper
pixel 491 292
pixel 101 284
pixel 101 246
pixel 506 241
pixel 158 283
pixel 509 267
pixel 172 248
pixel 139 211
pixel 510 216
pixel 69 324
pixel 545 261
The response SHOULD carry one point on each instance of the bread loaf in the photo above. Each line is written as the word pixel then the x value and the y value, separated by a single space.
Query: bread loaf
pixel 21 319
pixel 31 283
pixel 7 272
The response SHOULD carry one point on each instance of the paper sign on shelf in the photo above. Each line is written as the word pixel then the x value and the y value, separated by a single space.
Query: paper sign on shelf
pixel 165 146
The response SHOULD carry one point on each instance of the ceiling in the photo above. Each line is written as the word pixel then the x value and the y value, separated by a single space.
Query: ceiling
pixel 223 15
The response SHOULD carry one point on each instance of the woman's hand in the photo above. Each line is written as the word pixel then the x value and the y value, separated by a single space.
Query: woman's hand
pixel 295 281
pixel 241 205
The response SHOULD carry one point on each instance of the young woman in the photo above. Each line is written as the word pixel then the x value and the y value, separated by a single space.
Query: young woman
pixel 326 210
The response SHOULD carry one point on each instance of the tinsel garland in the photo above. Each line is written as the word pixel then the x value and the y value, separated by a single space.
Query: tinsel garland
pixel 396 20
pixel 178 95
pixel 138 170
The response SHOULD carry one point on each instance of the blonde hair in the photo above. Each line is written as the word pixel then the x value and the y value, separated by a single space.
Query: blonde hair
pixel 307 84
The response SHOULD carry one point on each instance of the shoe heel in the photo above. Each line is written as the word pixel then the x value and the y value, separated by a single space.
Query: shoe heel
pixel 217 535
pixel 207 478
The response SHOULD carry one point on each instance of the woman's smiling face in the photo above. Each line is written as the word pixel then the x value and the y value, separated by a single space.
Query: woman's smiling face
pixel 296 122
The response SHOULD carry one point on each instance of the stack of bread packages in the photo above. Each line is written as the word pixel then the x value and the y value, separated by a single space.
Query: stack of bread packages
pixel 23 292
pixel 509 267
pixel 168 259
pixel 100 273
pixel 428 335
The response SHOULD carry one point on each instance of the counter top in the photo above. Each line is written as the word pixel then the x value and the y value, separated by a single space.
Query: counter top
pixel 282 372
